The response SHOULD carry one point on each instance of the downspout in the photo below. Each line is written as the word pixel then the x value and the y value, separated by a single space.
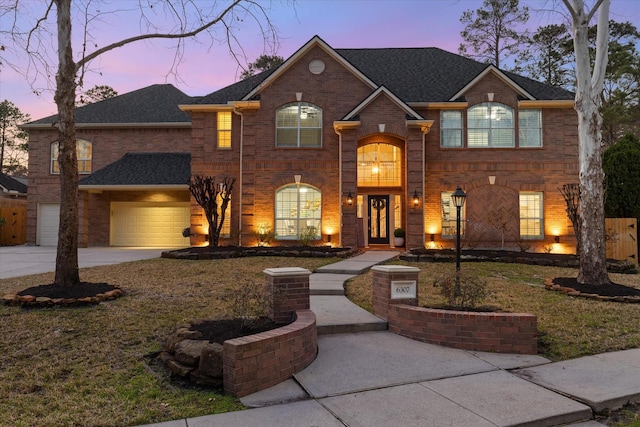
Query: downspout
pixel 424 152
pixel 238 112
pixel 340 225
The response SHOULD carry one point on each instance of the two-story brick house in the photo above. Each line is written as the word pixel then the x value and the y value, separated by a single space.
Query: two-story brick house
pixel 348 144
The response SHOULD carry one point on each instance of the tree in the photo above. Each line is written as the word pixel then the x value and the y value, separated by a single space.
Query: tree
pixel 593 260
pixel 13 140
pixel 263 63
pixel 571 195
pixel 489 34
pixel 546 56
pixel 96 94
pixel 621 164
pixel 185 20
pixel 214 199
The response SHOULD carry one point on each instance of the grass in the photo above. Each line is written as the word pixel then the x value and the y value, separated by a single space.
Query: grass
pixel 89 366
pixel 570 327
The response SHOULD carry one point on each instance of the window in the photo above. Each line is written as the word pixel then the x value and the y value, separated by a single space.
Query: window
pixel 224 129
pixel 531 216
pixel 449 216
pixel 451 129
pixel 490 125
pixel 298 210
pixel 379 165
pixel 299 125
pixel 83 152
pixel 530 128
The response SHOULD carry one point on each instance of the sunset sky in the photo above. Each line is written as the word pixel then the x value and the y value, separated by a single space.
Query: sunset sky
pixel 341 23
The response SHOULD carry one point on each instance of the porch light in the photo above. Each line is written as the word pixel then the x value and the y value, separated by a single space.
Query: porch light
pixel 349 198
pixel 416 198
pixel 458 198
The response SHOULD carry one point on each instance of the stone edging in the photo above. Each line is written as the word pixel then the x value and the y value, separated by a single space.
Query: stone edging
pixel 242 252
pixel 549 285
pixel 466 330
pixel 32 301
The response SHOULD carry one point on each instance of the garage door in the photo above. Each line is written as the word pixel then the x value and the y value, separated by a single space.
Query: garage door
pixel 149 224
pixel 48 222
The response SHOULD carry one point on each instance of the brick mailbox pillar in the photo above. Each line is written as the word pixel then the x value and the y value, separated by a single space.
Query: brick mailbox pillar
pixel 393 284
pixel 288 291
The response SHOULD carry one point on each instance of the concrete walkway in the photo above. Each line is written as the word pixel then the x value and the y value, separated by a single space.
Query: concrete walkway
pixel 366 376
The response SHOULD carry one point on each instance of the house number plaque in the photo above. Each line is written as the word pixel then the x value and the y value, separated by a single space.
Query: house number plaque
pixel 402 289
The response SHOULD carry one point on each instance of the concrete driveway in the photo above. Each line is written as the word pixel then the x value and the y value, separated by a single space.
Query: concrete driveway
pixel 18 261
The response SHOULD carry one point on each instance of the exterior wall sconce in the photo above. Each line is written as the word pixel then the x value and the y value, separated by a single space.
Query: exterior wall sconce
pixel 349 198
pixel 416 198
pixel 556 239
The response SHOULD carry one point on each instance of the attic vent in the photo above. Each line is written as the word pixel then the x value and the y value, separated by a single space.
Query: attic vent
pixel 316 66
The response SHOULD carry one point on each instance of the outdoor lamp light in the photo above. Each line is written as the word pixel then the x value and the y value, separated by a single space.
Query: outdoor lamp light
pixel 458 198
pixel 349 198
pixel 416 199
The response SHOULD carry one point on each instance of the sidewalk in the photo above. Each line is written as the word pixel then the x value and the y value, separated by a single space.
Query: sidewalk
pixel 366 376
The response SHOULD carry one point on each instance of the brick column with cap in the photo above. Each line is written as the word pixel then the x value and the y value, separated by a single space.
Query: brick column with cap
pixel 289 291
pixel 393 284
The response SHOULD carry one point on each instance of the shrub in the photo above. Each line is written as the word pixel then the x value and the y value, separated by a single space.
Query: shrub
pixel 308 235
pixel 264 235
pixel 466 292
pixel 249 302
pixel 398 232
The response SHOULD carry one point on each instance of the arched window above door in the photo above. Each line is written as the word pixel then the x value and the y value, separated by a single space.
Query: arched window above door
pixel 379 165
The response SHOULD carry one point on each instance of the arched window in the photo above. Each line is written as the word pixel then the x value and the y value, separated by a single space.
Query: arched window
pixel 490 124
pixel 298 211
pixel 83 152
pixel 299 125
pixel 379 165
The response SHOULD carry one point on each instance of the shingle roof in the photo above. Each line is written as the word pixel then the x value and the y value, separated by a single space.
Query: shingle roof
pixel 10 184
pixel 413 74
pixel 143 169
pixel 152 104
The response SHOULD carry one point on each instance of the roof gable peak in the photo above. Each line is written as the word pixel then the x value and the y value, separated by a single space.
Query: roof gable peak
pixel 492 69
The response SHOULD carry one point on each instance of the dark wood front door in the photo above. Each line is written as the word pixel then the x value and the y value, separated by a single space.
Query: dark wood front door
pixel 379 220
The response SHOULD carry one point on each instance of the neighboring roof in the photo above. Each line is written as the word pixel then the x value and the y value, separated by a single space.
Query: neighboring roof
pixel 413 74
pixel 143 169
pixel 152 104
pixel 12 185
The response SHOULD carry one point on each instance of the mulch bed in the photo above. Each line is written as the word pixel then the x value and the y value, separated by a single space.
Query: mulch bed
pixel 610 290
pixel 83 293
pixel 225 329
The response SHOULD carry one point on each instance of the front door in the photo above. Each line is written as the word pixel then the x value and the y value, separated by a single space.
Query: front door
pixel 379 220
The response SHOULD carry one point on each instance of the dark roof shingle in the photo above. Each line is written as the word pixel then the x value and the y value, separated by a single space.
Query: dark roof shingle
pixel 143 169
pixel 12 184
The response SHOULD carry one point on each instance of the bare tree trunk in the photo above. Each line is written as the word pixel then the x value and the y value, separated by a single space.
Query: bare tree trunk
pixel 67 255
pixel 593 256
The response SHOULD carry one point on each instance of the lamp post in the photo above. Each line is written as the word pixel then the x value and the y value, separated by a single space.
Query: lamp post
pixel 458 197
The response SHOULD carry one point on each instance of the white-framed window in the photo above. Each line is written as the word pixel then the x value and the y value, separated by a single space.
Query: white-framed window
pixel 299 125
pixel 224 129
pixel 83 152
pixel 531 215
pixel 450 128
pixel 490 125
pixel 298 211
pixel 379 165
pixel 450 215
pixel 530 128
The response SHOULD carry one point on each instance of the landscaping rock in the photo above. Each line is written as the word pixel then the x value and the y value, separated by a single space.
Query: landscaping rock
pixel 178 368
pixel 188 352
pixel 211 360
pixel 180 334
pixel 197 377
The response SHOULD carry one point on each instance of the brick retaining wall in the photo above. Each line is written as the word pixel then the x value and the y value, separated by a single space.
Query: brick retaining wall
pixel 260 361
pixel 492 332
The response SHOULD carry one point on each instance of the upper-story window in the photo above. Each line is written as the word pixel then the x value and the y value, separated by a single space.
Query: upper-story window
pixel 83 152
pixel 379 165
pixel 299 124
pixel 490 124
pixel 224 129
pixel 530 128
pixel 451 128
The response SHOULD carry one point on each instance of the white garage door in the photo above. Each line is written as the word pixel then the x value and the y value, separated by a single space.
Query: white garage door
pixel 149 224
pixel 48 222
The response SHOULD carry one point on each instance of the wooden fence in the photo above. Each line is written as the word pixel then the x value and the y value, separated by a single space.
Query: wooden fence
pixel 14 229
pixel 622 239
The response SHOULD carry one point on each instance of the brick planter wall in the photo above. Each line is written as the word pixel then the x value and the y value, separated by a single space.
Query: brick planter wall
pixel 492 332
pixel 260 361
pixel 289 290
